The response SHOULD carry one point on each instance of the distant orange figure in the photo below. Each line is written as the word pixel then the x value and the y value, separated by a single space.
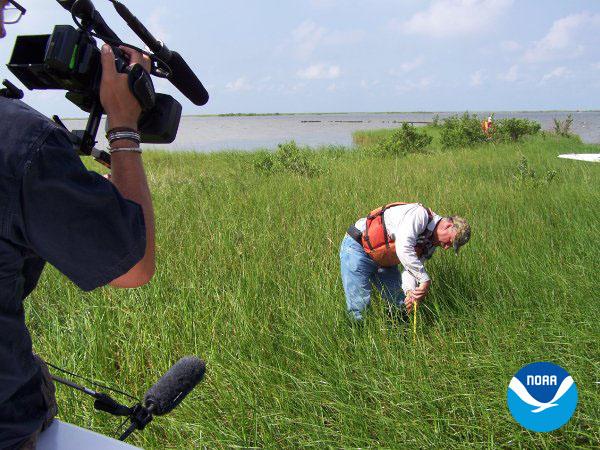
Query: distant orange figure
pixel 487 127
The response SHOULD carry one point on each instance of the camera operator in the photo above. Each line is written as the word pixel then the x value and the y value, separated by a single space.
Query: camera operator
pixel 95 231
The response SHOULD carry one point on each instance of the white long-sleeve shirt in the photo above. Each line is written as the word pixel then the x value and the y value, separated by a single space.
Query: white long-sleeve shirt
pixel 408 225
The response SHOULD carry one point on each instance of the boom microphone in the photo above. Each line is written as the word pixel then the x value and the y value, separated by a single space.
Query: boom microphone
pixel 184 79
pixel 182 76
pixel 173 386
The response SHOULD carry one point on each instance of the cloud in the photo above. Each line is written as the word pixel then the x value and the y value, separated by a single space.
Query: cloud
pixel 297 87
pixel 368 84
pixel 511 75
pixel 477 78
pixel 320 72
pixel 446 18
pixel 510 46
pixel 564 39
pixel 306 37
pixel 419 85
pixel 408 66
pixel 241 84
pixel 335 38
pixel 322 4
pixel 596 66
pixel 559 72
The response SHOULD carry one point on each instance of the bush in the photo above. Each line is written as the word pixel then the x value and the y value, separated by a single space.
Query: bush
pixel 407 139
pixel 563 128
pixel 526 175
pixel 514 129
pixel 524 171
pixel 461 131
pixel 288 158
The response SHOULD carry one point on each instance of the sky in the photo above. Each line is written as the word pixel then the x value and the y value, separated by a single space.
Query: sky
pixel 262 56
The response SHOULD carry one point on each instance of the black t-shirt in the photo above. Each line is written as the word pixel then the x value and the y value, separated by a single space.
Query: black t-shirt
pixel 51 209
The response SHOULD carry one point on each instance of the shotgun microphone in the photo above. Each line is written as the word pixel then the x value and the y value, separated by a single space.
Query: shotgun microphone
pixel 182 76
pixel 173 386
pixel 184 79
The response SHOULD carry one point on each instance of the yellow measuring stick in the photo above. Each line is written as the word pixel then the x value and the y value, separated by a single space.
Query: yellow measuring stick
pixel 415 306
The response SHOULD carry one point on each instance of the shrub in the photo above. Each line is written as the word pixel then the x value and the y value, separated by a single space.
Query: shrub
pixel 514 129
pixel 406 139
pixel 525 174
pixel 435 121
pixel 461 131
pixel 524 171
pixel 563 128
pixel 288 158
pixel 264 161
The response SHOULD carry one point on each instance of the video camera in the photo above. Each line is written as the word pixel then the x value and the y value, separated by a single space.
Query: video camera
pixel 69 59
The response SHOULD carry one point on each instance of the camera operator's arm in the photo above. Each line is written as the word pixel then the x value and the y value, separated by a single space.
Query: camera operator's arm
pixel 128 175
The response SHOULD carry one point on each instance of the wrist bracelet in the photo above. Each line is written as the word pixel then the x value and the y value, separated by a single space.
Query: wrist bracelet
pixel 121 129
pixel 118 135
pixel 125 149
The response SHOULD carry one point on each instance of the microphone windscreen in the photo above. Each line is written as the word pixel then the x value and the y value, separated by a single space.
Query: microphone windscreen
pixel 174 385
pixel 183 78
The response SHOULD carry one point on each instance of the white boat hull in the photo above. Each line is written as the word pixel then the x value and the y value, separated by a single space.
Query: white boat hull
pixel 592 157
pixel 64 436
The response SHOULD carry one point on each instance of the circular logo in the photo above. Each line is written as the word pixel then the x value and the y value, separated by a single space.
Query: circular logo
pixel 542 396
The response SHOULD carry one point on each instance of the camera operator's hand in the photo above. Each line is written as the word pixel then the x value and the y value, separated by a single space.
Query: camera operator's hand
pixel 122 108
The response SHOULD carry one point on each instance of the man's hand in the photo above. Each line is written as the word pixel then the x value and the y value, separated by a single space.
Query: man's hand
pixel 421 292
pixel 409 301
pixel 416 296
pixel 122 108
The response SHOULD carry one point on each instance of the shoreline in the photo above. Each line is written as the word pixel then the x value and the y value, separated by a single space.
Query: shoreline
pixel 218 133
pixel 287 114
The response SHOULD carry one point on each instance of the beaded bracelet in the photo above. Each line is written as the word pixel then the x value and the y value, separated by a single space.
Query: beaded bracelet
pixel 113 136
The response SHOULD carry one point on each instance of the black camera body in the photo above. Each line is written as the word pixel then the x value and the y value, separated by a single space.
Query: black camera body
pixel 69 59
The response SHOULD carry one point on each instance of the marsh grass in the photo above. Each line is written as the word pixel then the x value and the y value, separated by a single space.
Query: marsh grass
pixel 248 278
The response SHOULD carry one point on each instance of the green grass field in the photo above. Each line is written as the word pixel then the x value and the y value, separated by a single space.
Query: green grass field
pixel 248 279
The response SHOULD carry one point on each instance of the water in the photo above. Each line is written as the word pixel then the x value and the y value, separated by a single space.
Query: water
pixel 208 134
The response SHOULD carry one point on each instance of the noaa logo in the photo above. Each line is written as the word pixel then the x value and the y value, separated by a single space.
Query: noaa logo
pixel 542 396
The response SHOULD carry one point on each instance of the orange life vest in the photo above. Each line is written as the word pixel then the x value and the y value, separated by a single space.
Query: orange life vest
pixel 487 127
pixel 376 241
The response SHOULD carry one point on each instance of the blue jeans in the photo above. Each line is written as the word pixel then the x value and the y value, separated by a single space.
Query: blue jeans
pixel 360 273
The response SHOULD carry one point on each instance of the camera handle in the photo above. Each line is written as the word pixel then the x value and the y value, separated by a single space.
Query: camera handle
pixel 11 91
pixel 142 88
pixel 84 141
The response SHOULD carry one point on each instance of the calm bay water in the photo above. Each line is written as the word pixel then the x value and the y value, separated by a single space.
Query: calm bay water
pixel 217 133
